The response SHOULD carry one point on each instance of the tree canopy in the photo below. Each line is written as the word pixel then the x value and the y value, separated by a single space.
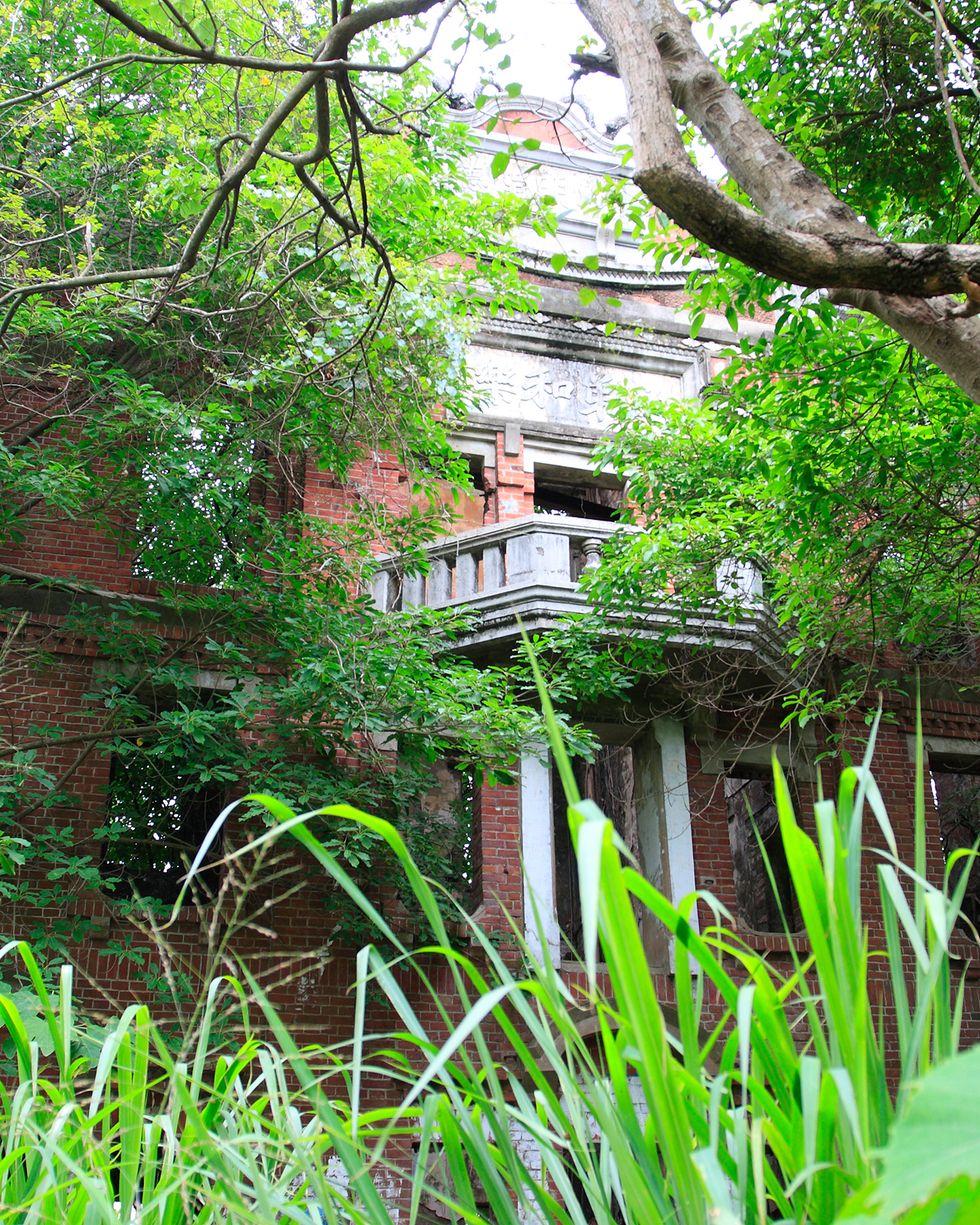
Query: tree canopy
pixel 223 227
pixel 194 317
pixel 783 127
pixel 840 452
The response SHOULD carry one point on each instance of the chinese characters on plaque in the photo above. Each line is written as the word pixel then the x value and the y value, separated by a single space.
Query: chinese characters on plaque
pixel 531 387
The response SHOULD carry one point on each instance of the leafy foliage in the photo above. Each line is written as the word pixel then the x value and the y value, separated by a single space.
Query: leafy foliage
pixel 827 451
pixel 781 1108
pixel 180 418
pixel 526 1095
pixel 797 456
pixel 856 91
pixel 110 1125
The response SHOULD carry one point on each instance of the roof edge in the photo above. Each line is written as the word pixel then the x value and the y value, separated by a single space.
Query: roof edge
pixel 567 113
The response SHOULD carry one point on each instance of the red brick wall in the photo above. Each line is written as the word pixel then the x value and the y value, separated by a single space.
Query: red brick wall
pixel 318 1000
pixel 497 847
pixel 513 488
pixel 51 543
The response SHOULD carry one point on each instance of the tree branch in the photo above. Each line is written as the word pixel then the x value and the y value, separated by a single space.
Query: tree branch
pixel 327 59
pixel 802 233
pixel 818 261
pixel 330 54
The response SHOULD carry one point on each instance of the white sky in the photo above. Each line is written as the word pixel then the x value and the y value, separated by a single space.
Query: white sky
pixel 539 36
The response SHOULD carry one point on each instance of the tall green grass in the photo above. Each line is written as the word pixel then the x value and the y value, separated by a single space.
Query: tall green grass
pixel 530 1099
pixel 242 1136
pixel 782 1110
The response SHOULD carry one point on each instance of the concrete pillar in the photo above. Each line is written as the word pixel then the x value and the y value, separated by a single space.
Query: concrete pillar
pixel 538 854
pixel 538 557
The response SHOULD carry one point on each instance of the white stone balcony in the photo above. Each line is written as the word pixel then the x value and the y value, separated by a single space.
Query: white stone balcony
pixel 542 551
pixel 527 571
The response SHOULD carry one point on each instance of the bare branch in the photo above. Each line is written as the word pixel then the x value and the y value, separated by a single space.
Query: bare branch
pixel 954 132
pixel 96 69
pixel 327 59
pixel 16 296
pixel 594 61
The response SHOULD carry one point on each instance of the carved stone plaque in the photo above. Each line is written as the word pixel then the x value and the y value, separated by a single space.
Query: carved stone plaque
pixel 532 387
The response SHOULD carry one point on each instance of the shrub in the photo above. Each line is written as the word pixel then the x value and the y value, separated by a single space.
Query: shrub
pixel 794 1107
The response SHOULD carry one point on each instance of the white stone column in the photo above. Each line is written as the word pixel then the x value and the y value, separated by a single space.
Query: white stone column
pixel 538 855
pixel 439 588
pixel 413 591
pixel 739 580
pixel 466 576
pixel 677 810
pixel 381 590
pixel 538 557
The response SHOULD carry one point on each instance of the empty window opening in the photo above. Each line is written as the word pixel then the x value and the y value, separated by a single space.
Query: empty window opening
pixel 955 785
pixel 764 897
pixel 474 465
pixel 460 502
pixel 475 503
pixel 614 1214
pixel 447 812
pixel 580 501
pixel 609 781
pixel 155 824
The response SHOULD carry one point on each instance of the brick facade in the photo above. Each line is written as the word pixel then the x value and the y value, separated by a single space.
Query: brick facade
pixel 55 552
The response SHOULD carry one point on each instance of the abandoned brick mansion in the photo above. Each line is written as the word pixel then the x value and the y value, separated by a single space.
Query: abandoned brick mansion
pixel 678 781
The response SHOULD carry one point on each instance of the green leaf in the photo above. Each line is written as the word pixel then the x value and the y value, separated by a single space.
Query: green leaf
pixel 499 163
pixel 938 1138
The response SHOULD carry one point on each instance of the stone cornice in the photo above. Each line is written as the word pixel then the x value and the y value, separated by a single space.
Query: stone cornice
pixel 611 274
pixel 585 340
pixel 599 153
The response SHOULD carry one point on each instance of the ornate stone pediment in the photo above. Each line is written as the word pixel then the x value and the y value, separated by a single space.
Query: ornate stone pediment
pixel 559 370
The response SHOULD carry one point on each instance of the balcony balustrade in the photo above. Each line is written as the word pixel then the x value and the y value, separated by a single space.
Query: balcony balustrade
pixel 549 551
pixel 526 572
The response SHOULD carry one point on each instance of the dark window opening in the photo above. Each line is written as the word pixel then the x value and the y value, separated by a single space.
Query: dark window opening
pixel 955 786
pixel 481 492
pixel 609 782
pixel 615 1215
pixel 448 815
pixel 474 465
pixel 155 824
pixel 577 501
pixel 764 897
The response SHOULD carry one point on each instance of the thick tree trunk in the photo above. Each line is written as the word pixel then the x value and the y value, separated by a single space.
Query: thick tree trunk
pixel 802 233
pixel 952 343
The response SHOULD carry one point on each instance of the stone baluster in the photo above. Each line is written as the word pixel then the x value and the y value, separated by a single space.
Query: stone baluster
pixel 466 576
pixel 381 590
pixel 493 568
pixel 440 586
pixel 413 590
pixel 591 553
